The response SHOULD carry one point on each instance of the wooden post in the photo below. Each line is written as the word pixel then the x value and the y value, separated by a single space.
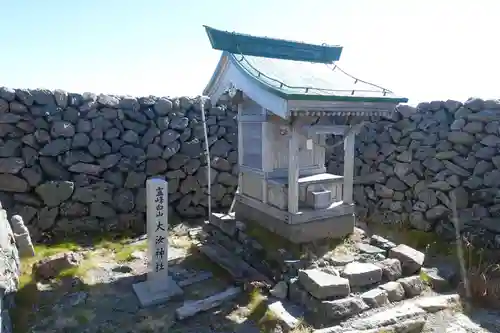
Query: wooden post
pixel 349 167
pixel 158 287
pixel 293 171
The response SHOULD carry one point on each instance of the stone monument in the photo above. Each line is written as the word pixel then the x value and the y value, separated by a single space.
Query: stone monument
pixel 159 286
pixel 22 237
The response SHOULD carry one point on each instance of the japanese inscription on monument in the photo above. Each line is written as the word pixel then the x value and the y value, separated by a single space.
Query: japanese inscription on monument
pixel 157 227
pixel 158 287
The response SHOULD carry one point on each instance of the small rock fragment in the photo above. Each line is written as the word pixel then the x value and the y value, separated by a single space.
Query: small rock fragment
pixel 375 298
pixel 413 285
pixel 51 266
pixel 391 268
pixel 369 249
pixel 395 291
pixel 381 242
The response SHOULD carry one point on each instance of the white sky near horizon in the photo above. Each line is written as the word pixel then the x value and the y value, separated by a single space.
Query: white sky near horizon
pixel 423 50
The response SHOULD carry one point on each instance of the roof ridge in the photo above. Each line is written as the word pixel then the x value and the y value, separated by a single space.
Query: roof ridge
pixel 268 47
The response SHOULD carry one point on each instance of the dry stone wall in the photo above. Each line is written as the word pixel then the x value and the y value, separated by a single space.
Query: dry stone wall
pixel 411 167
pixel 73 163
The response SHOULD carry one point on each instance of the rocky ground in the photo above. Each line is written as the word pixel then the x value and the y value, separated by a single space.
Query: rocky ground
pixel 90 290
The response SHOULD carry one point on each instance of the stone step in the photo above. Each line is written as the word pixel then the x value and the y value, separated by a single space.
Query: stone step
pixel 407 316
pixel 371 266
pixel 336 306
pixel 224 230
pixel 288 315
pixel 239 270
pixel 226 223
pixel 356 278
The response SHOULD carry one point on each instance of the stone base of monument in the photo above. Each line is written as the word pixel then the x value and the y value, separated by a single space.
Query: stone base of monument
pixel 152 293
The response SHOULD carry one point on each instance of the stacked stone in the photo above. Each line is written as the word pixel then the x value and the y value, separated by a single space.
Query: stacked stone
pixel 414 166
pixel 233 235
pixel 351 284
pixel 73 163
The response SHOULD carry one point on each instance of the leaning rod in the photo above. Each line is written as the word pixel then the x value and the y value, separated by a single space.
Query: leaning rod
pixel 207 156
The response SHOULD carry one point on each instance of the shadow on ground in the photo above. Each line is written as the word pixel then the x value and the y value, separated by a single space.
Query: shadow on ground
pixel 102 299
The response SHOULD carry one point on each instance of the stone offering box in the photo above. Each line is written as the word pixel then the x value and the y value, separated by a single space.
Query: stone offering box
pixel 290 97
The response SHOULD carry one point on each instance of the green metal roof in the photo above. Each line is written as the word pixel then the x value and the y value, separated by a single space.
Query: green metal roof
pixel 295 70
pixel 300 80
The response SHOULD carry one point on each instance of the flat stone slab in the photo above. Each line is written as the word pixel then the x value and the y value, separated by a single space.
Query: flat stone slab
pixel 191 308
pixel 343 308
pixel 369 249
pixel 323 285
pixel 389 317
pixel 411 259
pixel 149 296
pixel 437 303
pixel 288 314
pixel 406 326
pixel 381 242
pixel 362 274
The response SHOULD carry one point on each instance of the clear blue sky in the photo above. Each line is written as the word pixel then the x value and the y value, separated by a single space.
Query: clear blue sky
pixel 421 49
